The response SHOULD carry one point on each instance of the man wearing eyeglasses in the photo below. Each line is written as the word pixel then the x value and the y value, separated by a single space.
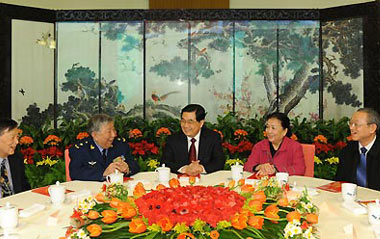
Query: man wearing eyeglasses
pixel 196 149
pixel 359 161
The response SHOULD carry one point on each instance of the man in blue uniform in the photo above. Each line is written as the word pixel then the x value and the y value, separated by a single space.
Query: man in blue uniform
pixel 101 154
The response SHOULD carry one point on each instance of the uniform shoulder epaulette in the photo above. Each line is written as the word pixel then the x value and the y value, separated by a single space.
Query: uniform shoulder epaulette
pixel 81 143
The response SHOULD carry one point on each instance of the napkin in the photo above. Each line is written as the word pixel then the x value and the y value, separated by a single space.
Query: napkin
pixel 335 187
pixel 254 176
pixel 186 175
pixel 29 211
pixel 44 191
pixel 126 179
pixel 355 208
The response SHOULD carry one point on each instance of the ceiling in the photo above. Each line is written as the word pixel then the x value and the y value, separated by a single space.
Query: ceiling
pixel 144 4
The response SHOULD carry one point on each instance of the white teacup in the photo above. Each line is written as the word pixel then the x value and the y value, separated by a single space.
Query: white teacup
pixel 115 177
pixel 282 178
pixel 57 193
pixel 237 172
pixel 163 174
pixel 349 192
pixel 8 216
pixel 374 213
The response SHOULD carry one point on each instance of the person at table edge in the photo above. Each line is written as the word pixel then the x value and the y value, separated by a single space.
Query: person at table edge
pixel 13 159
pixel 88 162
pixel 364 125
pixel 277 153
pixel 208 156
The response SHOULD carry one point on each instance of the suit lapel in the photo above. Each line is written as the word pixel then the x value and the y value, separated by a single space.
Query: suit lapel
pixel 183 146
pixel 203 143
pixel 14 171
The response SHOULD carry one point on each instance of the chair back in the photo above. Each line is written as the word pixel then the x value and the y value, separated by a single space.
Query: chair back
pixel 67 162
pixel 308 153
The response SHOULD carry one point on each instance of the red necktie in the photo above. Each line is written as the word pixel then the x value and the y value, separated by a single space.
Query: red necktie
pixel 192 153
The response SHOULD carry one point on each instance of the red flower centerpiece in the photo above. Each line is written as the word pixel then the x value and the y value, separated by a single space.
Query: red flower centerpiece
pixel 195 212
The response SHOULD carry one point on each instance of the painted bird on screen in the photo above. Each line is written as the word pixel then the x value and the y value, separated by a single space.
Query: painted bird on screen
pixel 157 98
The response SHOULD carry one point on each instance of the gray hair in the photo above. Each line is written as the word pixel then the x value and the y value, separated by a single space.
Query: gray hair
pixel 372 117
pixel 96 122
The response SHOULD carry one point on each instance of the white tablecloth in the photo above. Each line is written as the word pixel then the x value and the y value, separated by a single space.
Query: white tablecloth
pixel 332 218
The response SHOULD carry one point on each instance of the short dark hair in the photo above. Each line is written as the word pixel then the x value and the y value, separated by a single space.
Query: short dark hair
pixel 7 125
pixel 96 122
pixel 285 121
pixel 200 113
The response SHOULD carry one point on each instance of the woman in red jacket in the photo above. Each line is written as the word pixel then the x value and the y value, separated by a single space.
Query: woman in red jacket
pixel 277 153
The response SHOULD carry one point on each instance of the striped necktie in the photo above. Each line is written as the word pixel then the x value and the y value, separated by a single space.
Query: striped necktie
pixel 4 181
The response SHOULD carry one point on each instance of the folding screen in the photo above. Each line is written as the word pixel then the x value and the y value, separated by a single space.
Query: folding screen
pixel 32 68
pixel 252 67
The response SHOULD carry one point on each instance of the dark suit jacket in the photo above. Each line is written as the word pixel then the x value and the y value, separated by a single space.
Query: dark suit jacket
pixel 87 162
pixel 211 156
pixel 349 159
pixel 19 180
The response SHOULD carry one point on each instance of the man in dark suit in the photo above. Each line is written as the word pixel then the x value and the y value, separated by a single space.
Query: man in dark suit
pixel 359 161
pixel 196 149
pixel 101 154
pixel 12 169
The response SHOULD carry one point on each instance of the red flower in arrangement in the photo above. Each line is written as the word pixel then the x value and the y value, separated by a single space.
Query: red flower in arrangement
pixel 77 216
pixel 143 147
pixel 52 140
pixel 340 145
pixel 294 137
pixel 52 151
pixel 28 154
pixel 320 147
pixel 243 146
pixel 163 131
pixel 304 225
pixel 349 138
pixel 186 204
pixel 82 135
pixel 135 133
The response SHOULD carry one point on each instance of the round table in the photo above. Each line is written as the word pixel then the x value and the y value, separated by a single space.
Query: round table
pixel 332 216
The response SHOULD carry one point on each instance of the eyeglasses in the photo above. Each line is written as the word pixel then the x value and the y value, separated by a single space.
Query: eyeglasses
pixel 356 125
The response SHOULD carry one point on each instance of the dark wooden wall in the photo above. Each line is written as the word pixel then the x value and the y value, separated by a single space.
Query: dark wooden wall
pixel 189 4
